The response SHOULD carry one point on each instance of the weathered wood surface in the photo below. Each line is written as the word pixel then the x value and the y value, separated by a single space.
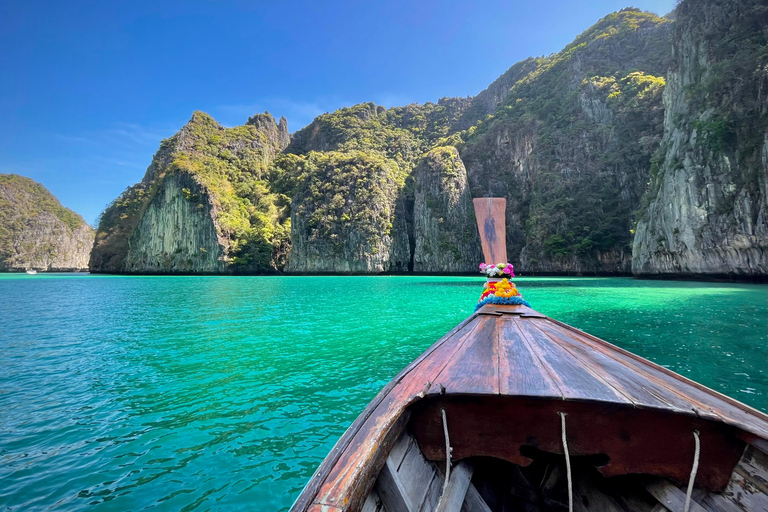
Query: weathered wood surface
pixel 456 489
pixel 514 351
pixel 490 213
pixel 635 440
pixel 671 497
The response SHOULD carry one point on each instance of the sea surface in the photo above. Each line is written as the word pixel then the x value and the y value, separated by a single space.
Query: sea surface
pixel 225 393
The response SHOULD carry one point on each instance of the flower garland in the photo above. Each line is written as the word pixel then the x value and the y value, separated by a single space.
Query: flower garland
pixel 498 270
pixel 502 292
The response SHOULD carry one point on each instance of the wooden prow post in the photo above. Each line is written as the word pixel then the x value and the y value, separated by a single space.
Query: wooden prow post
pixel 491 222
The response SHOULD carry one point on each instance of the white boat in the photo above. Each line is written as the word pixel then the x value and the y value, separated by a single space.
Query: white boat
pixel 31 272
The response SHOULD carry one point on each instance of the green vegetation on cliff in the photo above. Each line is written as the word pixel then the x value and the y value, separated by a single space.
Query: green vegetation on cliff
pixel 571 145
pixel 230 165
pixel 345 197
pixel 36 230
pixel 571 140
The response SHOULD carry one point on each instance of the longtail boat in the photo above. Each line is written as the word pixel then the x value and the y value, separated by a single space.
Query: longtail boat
pixel 513 410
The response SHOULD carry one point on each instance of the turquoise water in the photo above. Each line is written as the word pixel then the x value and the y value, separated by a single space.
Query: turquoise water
pixel 225 393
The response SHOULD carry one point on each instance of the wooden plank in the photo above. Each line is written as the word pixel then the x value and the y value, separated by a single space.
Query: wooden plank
pixel 456 490
pixel 520 370
pixel 671 497
pixel 573 380
pixel 490 213
pixel 315 507
pixel 401 447
pixel 760 444
pixel 473 502
pixel 474 368
pixel 716 502
pixel 372 503
pixel 433 494
pixel 416 474
pixel 748 487
pixel 637 387
pixel 709 403
pixel 587 495
pixel 391 490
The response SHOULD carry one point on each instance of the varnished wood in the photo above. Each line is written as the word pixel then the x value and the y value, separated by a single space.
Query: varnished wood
pixel 634 440
pixel 521 371
pixel 572 378
pixel 474 368
pixel 490 213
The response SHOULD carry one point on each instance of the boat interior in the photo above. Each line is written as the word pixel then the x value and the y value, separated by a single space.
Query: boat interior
pixel 619 460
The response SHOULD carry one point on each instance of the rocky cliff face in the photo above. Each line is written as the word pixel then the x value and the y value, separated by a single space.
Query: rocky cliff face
pixel 570 146
pixel 446 238
pixel 372 152
pixel 343 215
pixel 177 232
pixel 571 140
pixel 204 205
pixel 36 232
pixel 707 203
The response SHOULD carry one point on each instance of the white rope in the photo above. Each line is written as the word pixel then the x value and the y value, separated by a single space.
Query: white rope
pixel 447 453
pixel 696 454
pixel 567 463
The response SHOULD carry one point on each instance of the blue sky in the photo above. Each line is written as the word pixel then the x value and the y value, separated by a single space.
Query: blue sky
pixel 88 89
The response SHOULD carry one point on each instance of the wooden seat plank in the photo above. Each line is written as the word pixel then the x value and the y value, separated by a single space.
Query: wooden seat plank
pixel 520 370
pixel 671 497
pixel 391 490
pixel 416 474
pixel 573 380
pixel 456 489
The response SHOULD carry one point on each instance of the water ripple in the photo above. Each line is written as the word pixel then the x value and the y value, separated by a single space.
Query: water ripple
pixel 220 393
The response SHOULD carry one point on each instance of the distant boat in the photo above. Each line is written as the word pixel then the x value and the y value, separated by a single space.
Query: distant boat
pixel 513 410
pixel 31 272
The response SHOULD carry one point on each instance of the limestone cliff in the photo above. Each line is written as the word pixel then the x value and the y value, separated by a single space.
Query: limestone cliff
pixel 707 211
pixel 570 145
pixel 177 232
pixel 376 150
pixel 578 142
pixel 446 238
pixel 36 232
pixel 343 215
pixel 204 205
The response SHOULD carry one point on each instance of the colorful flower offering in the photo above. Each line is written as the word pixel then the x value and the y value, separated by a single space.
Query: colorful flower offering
pixel 498 270
pixel 502 292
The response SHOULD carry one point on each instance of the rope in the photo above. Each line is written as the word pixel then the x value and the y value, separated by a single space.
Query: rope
pixel 696 454
pixel 447 451
pixel 447 458
pixel 568 463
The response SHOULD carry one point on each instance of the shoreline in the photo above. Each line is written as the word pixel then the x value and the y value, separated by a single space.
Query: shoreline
pixel 718 278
